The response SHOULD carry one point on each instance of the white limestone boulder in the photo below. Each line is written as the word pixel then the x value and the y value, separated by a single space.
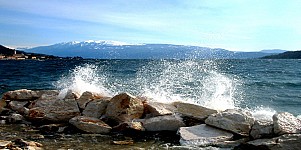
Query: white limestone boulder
pixel 286 123
pixel 236 121
pixel 193 111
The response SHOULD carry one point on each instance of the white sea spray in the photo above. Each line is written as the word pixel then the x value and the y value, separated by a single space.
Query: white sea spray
pixel 83 78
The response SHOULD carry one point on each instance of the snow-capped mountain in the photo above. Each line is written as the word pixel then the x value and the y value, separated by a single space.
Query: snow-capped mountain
pixel 121 50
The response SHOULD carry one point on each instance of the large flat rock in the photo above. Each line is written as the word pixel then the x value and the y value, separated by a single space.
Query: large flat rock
pixel 91 125
pixel 193 111
pixel 202 135
pixel 236 121
pixel 284 142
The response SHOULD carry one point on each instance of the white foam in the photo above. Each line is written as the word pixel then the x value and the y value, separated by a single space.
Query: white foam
pixel 81 79
pixel 263 113
pixel 197 82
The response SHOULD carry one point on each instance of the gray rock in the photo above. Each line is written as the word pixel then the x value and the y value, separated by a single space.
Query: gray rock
pixel 163 123
pixel 56 111
pixel 124 108
pixel 86 97
pixel 96 108
pixel 20 95
pixel 286 123
pixel 18 106
pixel 284 142
pixel 47 97
pixel 262 129
pixel 202 135
pixel 193 111
pixel 91 125
pixel 236 121
pixel 158 109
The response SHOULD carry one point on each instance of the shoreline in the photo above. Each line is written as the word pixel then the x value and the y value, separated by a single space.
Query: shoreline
pixel 127 115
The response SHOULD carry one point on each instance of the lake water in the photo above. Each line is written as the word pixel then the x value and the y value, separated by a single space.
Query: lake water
pixel 259 85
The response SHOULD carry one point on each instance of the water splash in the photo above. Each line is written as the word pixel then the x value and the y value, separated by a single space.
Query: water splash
pixel 81 79
pixel 197 82
pixel 263 113
pixel 193 81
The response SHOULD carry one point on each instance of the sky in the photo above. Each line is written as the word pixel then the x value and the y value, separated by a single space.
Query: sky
pixel 238 25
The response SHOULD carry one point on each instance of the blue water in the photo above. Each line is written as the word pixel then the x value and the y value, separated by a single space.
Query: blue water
pixel 249 83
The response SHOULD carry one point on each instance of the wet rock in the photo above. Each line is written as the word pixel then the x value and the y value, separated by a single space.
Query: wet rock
pixel 262 129
pixel 129 126
pixel 124 142
pixel 96 108
pixel 18 106
pixel 27 144
pixel 56 111
pixel 163 123
pixel 91 125
pixel 202 135
pixel 193 111
pixel 236 121
pixel 286 123
pixel 50 128
pixel 20 95
pixel 124 108
pixel 284 142
pixel 158 109
pixel 86 97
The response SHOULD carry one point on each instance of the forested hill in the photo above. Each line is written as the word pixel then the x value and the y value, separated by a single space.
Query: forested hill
pixel 285 55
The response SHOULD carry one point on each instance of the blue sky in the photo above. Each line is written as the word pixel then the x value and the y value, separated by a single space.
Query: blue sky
pixel 241 25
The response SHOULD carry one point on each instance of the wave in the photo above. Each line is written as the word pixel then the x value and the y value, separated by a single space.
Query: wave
pixel 197 82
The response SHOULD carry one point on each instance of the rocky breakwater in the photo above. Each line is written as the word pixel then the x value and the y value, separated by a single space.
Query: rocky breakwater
pixel 196 126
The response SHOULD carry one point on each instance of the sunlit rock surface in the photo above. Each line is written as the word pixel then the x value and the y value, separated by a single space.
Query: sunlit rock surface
pixel 193 111
pixel 202 135
pixel 237 121
pixel 124 108
pixel 286 123
pixel 86 97
pixel 22 94
pixel 158 109
pixel 91 125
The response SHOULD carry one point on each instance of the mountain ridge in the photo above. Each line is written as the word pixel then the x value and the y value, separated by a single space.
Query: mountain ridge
pixel 120 50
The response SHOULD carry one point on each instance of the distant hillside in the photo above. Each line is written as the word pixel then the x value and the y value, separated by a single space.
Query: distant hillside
pixel 285 55
pixel 121 50
pixel 7 51
pixel 10 53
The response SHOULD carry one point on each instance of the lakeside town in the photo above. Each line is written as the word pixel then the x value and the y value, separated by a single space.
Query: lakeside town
pixel 12 54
